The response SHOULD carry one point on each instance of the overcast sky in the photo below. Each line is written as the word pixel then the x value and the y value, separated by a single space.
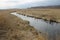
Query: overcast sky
pixel 4 4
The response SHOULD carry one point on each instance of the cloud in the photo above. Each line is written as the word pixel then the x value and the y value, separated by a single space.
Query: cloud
pixel 12 3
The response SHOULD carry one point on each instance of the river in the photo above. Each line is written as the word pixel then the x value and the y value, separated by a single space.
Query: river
pixel 53 29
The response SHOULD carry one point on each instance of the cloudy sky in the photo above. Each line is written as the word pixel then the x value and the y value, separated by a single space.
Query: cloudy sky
pixel 6 4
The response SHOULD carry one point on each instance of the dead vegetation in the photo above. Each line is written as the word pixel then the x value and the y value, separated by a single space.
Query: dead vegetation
pixel 13 28
pixel 48 14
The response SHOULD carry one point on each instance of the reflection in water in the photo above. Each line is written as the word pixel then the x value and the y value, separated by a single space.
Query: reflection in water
pixel 40 25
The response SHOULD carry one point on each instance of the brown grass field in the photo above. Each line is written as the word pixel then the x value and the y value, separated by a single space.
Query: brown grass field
pixel 48 14
pixel 14 28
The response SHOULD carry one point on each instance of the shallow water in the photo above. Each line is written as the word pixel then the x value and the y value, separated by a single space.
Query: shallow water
pixel 42 26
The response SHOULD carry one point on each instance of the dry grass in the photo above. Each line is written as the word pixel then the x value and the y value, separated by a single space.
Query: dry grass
pixel 48 14
pixel 13 28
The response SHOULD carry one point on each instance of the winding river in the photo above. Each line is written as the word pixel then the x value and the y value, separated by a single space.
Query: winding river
pixel 53 29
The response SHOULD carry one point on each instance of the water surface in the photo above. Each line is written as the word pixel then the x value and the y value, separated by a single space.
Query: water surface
pixel 42 26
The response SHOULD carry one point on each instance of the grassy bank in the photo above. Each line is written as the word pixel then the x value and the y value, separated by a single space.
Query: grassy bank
pixel 46 14
pixel 14 28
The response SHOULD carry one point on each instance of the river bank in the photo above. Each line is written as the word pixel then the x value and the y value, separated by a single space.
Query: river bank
pixel 41 26
pixel 45 14
pixel 14 28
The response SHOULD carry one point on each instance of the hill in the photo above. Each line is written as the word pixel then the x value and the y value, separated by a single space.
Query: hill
pixel 53 6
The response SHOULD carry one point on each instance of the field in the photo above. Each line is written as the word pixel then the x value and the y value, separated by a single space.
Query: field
pixel 46 14
pixel 14 28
